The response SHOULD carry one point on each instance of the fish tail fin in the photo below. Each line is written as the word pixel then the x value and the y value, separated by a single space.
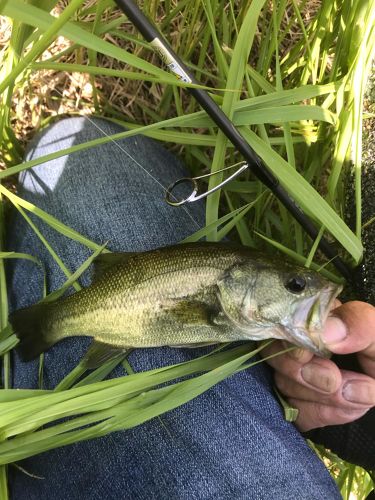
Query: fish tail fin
pixel 32 327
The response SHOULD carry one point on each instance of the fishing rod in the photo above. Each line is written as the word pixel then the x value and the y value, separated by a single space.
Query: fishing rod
pixel 254 163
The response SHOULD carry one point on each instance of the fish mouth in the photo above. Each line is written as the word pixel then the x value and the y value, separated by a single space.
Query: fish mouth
pixel 309 319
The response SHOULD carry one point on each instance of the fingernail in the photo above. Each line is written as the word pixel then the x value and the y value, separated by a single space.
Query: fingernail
pixel 358 391
pixel 334 331
pixel 319 376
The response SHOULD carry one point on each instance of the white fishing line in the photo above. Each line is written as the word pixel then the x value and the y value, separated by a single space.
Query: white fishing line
pixel 138 164
pixel 165 188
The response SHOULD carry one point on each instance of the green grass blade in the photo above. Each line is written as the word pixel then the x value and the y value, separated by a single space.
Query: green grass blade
pixel 43 43
pixel 50 220
pixel 306 196
pixel 29 14
pixel 235 78
pixel 74 277
pixel 201 233
pixel 300 259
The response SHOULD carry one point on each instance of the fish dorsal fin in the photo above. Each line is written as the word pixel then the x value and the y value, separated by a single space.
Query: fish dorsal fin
pixel 99 353
pixel 106 261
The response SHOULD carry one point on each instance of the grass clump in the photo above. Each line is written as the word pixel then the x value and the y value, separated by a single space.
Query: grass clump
pixel 289 74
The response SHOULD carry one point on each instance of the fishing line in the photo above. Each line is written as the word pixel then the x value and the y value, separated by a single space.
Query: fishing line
pixel 139 165
pixel 255 163
pixel 104 133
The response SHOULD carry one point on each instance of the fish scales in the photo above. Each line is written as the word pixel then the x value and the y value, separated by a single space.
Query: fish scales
pixel 185 295
pixel 134 298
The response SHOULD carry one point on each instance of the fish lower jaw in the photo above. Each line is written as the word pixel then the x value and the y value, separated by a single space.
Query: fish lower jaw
pixel 253 332
pixel 310 340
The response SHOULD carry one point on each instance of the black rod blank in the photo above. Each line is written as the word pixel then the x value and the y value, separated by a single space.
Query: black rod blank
pixel 152 35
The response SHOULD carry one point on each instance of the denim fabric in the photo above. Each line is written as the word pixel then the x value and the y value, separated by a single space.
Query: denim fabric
pixel 230 443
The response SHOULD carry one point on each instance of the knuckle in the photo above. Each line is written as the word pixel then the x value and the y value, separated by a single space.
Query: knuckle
pixel 282 383
pixel 331 415
pixel 324 415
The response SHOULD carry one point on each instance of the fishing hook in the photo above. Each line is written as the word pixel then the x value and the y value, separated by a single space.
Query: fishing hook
pixel 172 200
pixel 256 165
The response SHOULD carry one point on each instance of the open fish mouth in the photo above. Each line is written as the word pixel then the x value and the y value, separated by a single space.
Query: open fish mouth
pixel 308 321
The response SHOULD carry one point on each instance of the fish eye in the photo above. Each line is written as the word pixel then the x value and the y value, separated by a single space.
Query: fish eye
pixel 296 284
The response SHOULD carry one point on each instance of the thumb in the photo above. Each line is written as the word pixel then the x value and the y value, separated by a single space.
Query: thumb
pixel 351 328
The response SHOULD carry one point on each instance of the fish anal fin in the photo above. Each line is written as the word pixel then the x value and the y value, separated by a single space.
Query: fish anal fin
pixel 99 353
pixel 105 261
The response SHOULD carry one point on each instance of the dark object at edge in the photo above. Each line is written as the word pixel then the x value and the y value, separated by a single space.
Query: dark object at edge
pixel 355 442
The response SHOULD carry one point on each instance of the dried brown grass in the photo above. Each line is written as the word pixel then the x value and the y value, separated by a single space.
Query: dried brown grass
pixel 47 94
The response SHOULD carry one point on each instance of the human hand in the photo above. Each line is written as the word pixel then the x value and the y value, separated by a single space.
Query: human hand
pixel 324 394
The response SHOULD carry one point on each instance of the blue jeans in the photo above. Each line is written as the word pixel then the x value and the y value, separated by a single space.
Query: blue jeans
pixel 230 443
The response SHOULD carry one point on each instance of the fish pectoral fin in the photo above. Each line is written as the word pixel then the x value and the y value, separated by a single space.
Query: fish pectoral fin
pixel 220 319
pixel 106 261
pixel 191 313
pixel 99 353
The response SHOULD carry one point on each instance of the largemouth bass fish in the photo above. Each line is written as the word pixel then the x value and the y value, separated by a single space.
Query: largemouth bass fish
pixel 183 295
